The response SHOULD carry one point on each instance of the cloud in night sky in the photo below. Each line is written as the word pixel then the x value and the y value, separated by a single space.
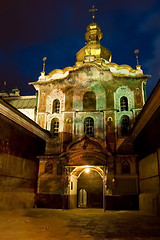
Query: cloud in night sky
pixel 31 30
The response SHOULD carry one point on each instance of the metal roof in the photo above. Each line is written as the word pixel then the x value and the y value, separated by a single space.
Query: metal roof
pixel 23 103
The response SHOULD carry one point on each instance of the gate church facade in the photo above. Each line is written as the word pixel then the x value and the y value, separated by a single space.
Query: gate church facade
pixel 89 110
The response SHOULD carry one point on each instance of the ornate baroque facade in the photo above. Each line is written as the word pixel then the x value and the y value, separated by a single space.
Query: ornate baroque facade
pixel 89 109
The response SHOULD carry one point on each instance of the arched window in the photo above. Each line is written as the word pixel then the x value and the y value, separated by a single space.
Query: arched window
pixel 89 126
pixel 125 167
pixel 125 125
pixel 89 101
pixel 48 167
pixel 55 126
pixel 124 103
pixel 56 106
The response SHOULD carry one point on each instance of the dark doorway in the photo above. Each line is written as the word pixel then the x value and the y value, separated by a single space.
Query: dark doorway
pixel 91 186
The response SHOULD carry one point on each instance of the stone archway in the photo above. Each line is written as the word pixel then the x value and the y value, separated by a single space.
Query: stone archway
pixel 86 152
pixel 86 186
pixel 90 189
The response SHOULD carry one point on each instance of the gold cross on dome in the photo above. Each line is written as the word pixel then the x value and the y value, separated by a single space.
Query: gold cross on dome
pixel 93 10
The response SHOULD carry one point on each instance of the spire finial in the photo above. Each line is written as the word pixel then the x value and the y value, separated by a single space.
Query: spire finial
pixel 138 67
pixel 136 52
pixel 44 63
pixel 93 10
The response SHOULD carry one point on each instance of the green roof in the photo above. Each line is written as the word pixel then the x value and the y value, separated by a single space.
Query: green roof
pixel 22 103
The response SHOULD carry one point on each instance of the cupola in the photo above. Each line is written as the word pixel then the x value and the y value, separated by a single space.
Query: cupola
pixel 93 49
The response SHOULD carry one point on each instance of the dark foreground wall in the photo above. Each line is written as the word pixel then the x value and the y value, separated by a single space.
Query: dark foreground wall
pixel 125 202
pixel 57 201
pixel 121 202
pixel 147 146
pixel 19 148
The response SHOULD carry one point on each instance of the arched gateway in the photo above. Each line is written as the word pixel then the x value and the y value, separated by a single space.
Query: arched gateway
pixel 88 180
pixel 86 173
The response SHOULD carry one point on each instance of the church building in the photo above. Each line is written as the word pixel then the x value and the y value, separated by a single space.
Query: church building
pixel 84 118
pixel 89 110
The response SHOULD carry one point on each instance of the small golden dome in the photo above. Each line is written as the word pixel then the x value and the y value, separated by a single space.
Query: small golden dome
pixel 93 32
pixel 93 49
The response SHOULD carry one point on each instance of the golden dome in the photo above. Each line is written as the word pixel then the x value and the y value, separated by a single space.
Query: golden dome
pixel 93 49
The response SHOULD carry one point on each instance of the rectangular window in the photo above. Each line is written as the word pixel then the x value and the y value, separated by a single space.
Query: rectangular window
pixel 71 185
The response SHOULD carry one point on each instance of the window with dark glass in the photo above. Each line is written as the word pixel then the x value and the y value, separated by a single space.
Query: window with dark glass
pixel 71 185
pixel 124 103
pixel 125 125
pixel 55 126
pixel 89 101
pixel 89 126
pixel 125 167
pixel 56 106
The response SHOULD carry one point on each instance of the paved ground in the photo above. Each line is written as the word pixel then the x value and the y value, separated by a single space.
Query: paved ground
pixel 84 224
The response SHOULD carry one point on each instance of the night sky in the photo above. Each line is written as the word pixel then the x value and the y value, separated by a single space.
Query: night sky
pixel 31 30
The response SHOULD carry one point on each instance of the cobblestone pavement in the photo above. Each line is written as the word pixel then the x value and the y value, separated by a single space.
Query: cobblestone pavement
pixel 84 224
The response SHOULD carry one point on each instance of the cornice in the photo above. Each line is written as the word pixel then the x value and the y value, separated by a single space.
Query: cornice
pixel 118 71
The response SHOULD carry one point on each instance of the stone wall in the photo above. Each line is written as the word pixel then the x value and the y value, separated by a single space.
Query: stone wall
pixel 18 165
pixel 147 146
pixel 149 183
pixel 52 184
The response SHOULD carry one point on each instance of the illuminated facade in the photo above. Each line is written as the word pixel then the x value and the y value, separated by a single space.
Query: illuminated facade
pixel 89 109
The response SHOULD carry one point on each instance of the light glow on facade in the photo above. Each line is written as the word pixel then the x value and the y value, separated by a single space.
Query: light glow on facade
pixel 87 170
